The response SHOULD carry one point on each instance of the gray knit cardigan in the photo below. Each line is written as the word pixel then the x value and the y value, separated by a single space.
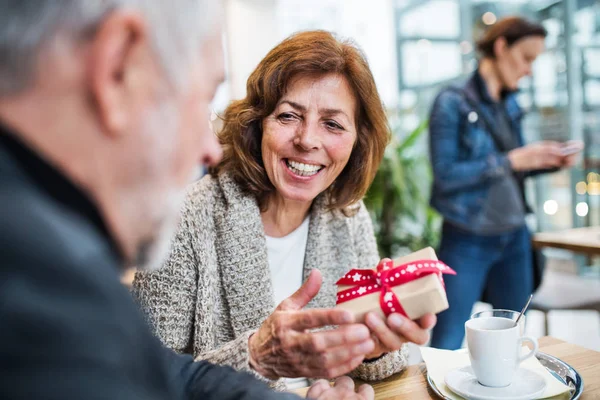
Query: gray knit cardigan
pixel 215 289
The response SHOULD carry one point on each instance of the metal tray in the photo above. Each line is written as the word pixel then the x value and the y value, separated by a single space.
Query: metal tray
pixel 558 368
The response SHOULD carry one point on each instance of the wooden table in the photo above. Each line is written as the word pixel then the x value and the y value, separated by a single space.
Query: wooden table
pixel 412 383
pixel 579 240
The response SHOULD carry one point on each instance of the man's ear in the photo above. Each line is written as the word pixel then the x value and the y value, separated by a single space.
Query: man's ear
pixel 119 57
pixel 500 46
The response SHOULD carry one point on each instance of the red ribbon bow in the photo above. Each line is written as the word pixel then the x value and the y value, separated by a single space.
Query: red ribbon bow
pixel 367 281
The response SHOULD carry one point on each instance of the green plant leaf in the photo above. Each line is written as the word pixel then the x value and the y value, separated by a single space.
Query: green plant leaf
pixel 398 198
pixel 412 138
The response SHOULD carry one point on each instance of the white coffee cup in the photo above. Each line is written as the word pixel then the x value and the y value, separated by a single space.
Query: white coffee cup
pixel 495 349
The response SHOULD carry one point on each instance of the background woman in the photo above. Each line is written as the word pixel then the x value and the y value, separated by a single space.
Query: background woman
pixel 480 162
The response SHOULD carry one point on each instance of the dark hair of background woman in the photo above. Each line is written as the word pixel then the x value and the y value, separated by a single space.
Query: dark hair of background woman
pixel 512 29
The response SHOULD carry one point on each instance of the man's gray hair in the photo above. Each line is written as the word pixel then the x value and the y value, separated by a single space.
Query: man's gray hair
pixel 27 27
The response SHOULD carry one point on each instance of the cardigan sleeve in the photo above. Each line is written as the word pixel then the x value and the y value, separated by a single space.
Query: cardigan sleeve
pixel 368 257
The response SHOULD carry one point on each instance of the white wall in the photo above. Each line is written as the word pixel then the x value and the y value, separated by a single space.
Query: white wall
pixel 256 26
pixel 250 33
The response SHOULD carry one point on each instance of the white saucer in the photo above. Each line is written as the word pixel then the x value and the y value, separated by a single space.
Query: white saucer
pixel 526 385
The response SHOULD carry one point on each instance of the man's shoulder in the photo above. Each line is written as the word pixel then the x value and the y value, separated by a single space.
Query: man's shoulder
pixel 35 227
pixel 60 295
pixel 62 304
pixel 46 244
pixel 41 241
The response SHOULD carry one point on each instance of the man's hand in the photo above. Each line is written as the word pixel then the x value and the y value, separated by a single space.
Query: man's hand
pixel 343 389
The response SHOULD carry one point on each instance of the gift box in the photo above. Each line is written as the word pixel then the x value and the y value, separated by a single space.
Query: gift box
pixel 411 285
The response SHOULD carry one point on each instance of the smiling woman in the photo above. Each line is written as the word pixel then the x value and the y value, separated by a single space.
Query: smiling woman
pixel 300 152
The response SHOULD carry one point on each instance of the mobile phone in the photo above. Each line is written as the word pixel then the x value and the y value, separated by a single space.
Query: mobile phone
pixel 571 147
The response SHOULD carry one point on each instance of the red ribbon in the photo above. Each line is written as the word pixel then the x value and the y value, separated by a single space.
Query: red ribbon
pixel 367 281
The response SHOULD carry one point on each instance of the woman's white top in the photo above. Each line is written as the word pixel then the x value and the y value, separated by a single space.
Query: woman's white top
pixel 286 262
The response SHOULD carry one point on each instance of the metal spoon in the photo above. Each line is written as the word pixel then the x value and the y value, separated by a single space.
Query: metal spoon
pixel 524 309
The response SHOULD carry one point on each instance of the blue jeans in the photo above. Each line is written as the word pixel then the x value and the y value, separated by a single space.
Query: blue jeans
pixel 499 266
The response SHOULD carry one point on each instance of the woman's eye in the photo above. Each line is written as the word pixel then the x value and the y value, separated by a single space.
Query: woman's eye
pixel 333 125
pixel 286 117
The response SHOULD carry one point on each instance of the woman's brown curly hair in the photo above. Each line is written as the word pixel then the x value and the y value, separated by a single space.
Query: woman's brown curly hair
pixel 306 53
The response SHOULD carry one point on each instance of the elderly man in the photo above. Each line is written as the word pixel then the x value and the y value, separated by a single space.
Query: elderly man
pixel 103 119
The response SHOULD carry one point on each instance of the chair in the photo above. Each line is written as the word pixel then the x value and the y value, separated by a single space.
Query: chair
pixel 566 291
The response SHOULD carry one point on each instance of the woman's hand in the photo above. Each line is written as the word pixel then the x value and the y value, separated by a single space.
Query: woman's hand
pixel 539 155
pixel 571 160
pixel 343 389
pixel 391 334
pixel 283 346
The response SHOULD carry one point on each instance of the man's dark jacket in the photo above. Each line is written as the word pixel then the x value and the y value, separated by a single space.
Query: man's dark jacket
pixel 68 328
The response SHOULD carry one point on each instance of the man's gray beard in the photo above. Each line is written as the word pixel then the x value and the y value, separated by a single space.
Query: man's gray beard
pixel 153 252
pixel 155 247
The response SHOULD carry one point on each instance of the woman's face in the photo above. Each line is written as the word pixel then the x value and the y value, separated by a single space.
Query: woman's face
pixel 515 62
pixel 309 137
